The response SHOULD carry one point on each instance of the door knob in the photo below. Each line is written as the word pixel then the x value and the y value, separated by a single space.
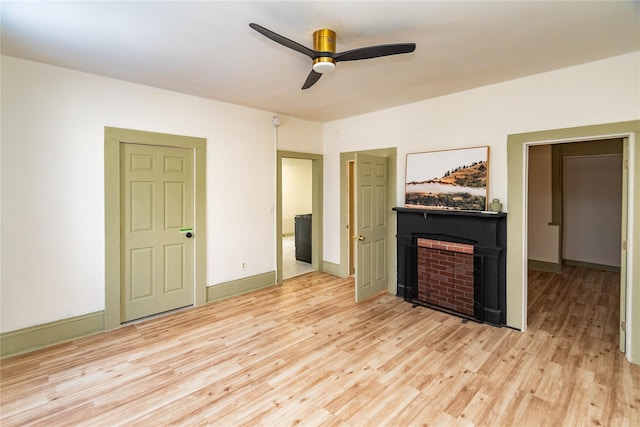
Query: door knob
pixel 188 235
pixel 361 238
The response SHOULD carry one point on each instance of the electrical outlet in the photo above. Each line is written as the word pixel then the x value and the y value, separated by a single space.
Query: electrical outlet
pixel 243 265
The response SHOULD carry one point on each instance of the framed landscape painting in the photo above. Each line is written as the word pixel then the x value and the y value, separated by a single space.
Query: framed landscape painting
pixel 450 179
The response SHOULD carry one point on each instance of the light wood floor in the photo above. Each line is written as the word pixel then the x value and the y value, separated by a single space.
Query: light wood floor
pixel 304 353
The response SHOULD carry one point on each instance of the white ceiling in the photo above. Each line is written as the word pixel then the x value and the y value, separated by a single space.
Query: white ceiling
pixel 207 49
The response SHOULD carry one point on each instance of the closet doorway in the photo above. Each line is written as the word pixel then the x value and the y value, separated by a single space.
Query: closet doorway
pixel 576 215
pixel 517 174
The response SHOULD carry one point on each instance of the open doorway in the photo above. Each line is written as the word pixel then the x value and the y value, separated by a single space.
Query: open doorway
pixel 575 202
pixel 298 208
pixel 297 219
pixel 517 174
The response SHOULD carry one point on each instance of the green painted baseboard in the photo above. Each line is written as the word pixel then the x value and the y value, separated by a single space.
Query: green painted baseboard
pixel 332 268
pixel 40 336
pixel 591 265
pixel 240 286
pixel 557 268
pixel 35 337
pixel 551 267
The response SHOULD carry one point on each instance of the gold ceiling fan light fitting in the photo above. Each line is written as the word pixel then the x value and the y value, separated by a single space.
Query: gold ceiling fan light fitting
pixel 324 59
pixel 324 41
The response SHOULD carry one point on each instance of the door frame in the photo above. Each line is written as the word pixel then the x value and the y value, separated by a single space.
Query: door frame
pixel 517 196
pixel 316 208
pixel 113 137
pixel 351 221
pixel 391 154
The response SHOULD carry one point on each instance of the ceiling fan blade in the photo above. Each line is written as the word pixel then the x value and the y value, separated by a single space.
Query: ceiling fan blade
pixel 374 51
pixel 312 78
pixel 283 40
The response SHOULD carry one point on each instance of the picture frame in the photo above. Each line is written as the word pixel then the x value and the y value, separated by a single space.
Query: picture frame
pixel 448 179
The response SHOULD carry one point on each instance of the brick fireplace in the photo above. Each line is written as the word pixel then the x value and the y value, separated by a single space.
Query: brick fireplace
pixel 445 275
pixel 453 261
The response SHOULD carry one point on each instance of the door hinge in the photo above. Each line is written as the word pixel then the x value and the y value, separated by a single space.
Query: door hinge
pixel 626 163
pixel 624 245
pixel 623 325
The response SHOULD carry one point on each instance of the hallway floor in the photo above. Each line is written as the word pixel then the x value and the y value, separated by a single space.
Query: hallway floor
pixel 290 266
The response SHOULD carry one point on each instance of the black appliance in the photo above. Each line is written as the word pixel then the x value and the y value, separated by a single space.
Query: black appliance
pixel 303 237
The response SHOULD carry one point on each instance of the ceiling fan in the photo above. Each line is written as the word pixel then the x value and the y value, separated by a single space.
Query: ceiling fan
pixel 324 54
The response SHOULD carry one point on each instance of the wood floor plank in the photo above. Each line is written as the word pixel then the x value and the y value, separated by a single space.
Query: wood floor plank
pixel 304 353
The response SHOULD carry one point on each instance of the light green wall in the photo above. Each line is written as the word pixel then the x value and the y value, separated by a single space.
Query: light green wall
pixel 516 221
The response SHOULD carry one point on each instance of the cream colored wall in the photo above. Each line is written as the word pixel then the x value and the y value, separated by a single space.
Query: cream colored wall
pixel 543 238
pixel 52 165
pixel 599 92
pixel 296 191
pixel 592 209
pixel 298 135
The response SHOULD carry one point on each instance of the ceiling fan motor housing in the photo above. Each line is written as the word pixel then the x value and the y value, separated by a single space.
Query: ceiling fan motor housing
pixel 324 41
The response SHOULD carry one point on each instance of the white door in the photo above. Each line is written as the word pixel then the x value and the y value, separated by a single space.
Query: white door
pixel 371 225
pixel 157 205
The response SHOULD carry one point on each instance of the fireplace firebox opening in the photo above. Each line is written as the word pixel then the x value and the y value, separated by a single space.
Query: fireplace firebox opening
pixel 446 275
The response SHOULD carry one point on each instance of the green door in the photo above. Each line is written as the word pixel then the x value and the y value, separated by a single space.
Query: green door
pixel 371 225
pixel 157 202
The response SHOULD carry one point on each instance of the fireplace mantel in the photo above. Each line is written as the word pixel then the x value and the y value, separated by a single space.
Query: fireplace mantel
pixel 451 212
pixel 487 231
